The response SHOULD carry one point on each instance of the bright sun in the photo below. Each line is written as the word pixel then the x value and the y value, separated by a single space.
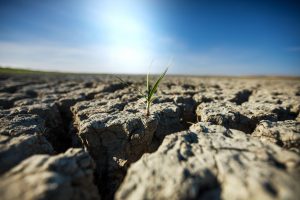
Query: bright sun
pixel 127 33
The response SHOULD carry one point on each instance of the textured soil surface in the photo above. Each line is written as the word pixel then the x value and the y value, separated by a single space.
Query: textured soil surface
pixel 87 137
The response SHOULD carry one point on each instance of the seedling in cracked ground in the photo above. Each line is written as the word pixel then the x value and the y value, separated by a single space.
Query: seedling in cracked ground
pixel 149 94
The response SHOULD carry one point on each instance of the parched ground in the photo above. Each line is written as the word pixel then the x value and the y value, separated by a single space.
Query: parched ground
pixel 87 137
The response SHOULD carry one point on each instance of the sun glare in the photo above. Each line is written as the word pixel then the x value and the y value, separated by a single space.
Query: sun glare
pixel 127 33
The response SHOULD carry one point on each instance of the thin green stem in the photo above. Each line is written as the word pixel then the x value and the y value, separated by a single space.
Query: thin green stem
pixel 148 108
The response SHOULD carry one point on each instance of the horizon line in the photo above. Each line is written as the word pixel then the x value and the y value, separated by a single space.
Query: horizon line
pixel 33 70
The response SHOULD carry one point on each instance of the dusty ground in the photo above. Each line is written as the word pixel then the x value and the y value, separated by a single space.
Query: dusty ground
pixel 87 137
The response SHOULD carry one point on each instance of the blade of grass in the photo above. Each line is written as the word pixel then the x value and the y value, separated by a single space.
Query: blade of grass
pixel 148 85
pixel 148 88
pixel 153 90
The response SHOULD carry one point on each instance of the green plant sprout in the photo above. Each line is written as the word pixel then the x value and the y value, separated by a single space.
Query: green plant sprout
pixel 150 90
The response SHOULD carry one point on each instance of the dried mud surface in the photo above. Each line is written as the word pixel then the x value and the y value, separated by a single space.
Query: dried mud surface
pixel 87 137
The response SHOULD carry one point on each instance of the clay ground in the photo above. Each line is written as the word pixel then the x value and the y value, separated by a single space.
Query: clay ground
pixel 87 137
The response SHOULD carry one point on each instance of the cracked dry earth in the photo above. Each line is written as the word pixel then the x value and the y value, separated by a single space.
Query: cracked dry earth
pixel 87 137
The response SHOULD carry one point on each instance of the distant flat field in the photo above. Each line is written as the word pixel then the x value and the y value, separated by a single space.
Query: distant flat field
pixel 18 71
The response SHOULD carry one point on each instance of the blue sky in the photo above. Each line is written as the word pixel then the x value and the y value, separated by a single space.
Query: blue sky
pixel 123 36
